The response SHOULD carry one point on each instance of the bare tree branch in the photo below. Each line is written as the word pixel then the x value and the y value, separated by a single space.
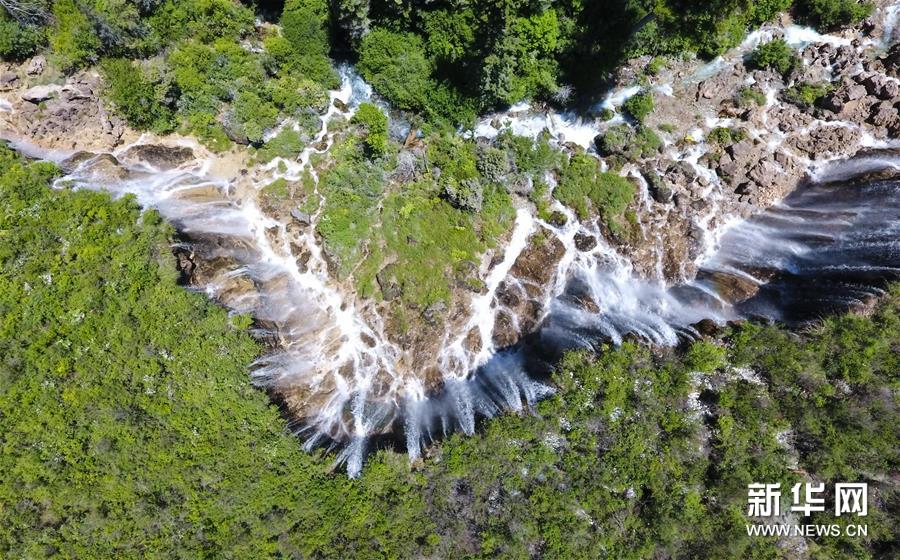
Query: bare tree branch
pixel 26 12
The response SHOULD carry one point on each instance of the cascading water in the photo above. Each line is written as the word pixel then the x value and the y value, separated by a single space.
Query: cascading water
pixel 831 245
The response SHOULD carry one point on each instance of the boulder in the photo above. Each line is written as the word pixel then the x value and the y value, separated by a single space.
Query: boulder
pixel 105 167
pixel 434 312
pixel 884 114
pixel 537 263
pixel 730 287
pixel 70 163
pixel 8 81
pixel 585 242
pixel 159 156
pixel 388 283
pixel 656 186
pixel 504 333
pixel 37 94
pixel 302 218
pixel 36 66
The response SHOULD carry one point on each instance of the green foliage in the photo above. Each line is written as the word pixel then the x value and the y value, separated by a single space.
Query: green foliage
pixel 530 156
pixel 624 141
pixel 705 356
pixel 396 66
pixel 724 136
pixel 639 106
pixel 352 190
pixel 202 20
pixel 656 65
pixel 286 144
pixel 776 55
pixel 587 190
pixel 832 14
pixel 375 125
pixel 304 25
pixel 429 241
pixel 18 42
pixel 807 94
pixel 72 38
pixel 749 95
pixel 152 442
pixel 136 96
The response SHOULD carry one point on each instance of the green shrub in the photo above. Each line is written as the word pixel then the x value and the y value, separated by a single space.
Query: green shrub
pixel 304 24
pixel 767 10
pixel 627 142
pixel 832 14
pixel 530 156
pixel 807 94
pixel 375 126
pixel 705 356
pixel 725 136
pixel 135 96
pixel 253 115
pixel 493 164
pixel 586 189
pixel 74 42
pixel 396 66
pixel 656 65
pixel 286 144
pixel 776 55
pixel 749 95
pixel 18 42
pixel 639 106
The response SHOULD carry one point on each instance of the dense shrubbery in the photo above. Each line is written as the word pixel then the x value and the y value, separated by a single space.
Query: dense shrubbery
pixel 375 127
pixel 17 41
pixel 831 14
pixel 587 189
pixel 127 421
pixel 151 442
pixel 639 106
pixel 776 55
pixel 136 96
pixel 486 55
pixel 806 94
pixel 212 73
pixel 431 223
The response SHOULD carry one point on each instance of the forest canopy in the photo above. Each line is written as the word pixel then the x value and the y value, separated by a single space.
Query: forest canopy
pixel 445 60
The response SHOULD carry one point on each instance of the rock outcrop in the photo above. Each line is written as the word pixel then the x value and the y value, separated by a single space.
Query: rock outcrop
pixel 70 116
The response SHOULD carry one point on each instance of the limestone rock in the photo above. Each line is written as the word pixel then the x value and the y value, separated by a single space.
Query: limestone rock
pixel 37 94
pixel 159 156
pixel 36 66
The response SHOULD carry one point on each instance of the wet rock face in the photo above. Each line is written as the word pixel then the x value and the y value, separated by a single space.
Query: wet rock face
pixel 159 156
pixel 584 242
pixel 521 298
pixel 536 264
pixel 892 61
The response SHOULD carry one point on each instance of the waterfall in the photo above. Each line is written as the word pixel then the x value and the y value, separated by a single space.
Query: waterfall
pixel 830 246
